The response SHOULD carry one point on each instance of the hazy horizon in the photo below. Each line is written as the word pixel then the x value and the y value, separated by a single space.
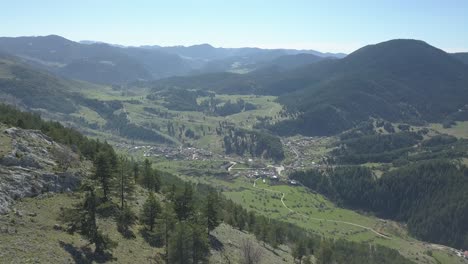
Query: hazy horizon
pixel 325 26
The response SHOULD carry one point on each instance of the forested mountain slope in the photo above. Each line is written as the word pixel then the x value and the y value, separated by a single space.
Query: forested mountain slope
pixel 462 56
pixel 25 86
pixel 97 62
pixel 398 80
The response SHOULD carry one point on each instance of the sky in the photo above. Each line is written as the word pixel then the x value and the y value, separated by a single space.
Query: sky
pixel 327 26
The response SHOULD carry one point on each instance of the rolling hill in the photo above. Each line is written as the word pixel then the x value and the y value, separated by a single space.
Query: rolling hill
pixel 280 76
pixel 98 62
pixel 113 64
pixel 397 80
pixel 30 88
pixel 289 62
pixel 208 52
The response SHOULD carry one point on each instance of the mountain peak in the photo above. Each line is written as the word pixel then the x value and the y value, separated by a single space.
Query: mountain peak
pixel 400 55
pixel 204 45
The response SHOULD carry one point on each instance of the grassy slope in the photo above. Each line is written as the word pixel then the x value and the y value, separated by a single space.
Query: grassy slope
pixel 232 239
pixel 189 119
pixel 32 239
pixel 459 130
pixel 89 115
pixel 311 205
pixel 5 142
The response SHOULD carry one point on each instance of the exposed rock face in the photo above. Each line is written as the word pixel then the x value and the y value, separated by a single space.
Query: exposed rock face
pixel 37 165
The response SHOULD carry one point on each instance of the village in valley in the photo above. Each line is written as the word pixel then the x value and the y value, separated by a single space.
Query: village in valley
pixel 236 166
pixel 302 153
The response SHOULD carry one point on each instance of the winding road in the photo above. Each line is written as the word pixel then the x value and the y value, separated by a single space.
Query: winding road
pixel 318 219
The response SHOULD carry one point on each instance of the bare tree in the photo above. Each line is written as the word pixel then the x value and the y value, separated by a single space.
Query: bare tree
pixel 65 157
pixel 250 253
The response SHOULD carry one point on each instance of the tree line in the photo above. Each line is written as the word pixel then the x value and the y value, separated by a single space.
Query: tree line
pixel 430 196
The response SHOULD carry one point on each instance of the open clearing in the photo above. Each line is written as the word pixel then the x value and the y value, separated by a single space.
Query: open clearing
pixel 460 129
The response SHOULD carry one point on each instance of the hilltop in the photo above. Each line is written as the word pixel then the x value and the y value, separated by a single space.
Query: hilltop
pixel 398 80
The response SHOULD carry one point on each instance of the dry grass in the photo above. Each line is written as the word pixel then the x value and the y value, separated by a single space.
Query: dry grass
pixel 5 142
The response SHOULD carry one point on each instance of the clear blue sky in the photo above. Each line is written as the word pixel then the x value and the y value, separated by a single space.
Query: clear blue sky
pixel 335 26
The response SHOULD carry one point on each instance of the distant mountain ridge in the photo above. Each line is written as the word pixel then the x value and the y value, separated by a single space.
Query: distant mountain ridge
pixel 100 63
pixel 398 80
pixel 104 63
pixel 207 51
pixel 25 86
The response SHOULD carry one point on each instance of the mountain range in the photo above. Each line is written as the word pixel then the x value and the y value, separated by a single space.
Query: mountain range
pixel 399 80
pixel 114 64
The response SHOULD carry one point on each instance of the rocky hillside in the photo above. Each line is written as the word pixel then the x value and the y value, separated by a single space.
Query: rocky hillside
pixel 32 164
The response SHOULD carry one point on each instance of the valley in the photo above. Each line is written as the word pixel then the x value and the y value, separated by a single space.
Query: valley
pixel 203 160
pixel 352 154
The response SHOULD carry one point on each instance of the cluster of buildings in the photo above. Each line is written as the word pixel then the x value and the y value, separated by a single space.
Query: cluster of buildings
pixel 170 152
pixel 301 147
pixel 462 254
pixel 261 173
pixel 178 153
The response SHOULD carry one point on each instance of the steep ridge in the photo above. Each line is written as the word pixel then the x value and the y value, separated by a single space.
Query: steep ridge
pixel 33 164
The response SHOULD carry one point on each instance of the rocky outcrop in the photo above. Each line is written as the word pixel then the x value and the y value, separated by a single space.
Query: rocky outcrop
pixel 36 165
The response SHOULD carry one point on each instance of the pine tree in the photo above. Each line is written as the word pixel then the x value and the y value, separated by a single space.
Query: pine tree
pixel 88 214
pixel 183 204
pixel 172 193
pixel 150 211
pixel 212 210
pixel 200 246
pixel 82 218
pixel 299 250
pixel 181 244
pixel 251 221
pixel 103 174
pixel 325 253
pixel 126 184
pixel 151 179
pixel 125 220
pixel 136 170
pixel 169 220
